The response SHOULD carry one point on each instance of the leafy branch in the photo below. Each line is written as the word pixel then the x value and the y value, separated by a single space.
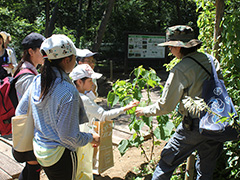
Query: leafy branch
pixel 124 91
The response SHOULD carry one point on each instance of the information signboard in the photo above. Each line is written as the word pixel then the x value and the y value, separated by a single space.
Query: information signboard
pixel 145 46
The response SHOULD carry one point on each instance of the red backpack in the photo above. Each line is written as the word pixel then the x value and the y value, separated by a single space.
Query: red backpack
pixel 9 101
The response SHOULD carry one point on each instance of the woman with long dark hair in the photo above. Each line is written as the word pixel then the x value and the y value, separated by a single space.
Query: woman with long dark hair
pixel 30 59
pixel 57 111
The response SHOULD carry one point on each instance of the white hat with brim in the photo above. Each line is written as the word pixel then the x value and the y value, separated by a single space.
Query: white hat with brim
pixel 58 46
pixel 85 53
pixel 82 71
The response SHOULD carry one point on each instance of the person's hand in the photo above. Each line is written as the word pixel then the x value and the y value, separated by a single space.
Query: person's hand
pixel 96 140
pixel 139 111
pixel 132 104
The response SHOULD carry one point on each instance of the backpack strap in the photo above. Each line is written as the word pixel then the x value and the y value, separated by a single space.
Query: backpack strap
pixel 23 72
pixel 199 64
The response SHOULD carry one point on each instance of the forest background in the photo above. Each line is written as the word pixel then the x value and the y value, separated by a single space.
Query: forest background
pixel 100 26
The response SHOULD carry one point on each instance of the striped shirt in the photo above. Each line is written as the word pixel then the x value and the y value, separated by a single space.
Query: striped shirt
pixel 57 116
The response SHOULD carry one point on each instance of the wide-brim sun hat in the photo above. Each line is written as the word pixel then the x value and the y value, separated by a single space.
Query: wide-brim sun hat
pixel 82 71
pixel 180 36
pixel 58 46
pixel 85 53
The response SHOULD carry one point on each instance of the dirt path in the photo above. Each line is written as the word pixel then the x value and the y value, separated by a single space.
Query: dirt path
pixel 125 166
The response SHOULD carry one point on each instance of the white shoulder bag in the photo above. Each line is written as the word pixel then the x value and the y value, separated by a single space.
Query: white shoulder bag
pixel 23 130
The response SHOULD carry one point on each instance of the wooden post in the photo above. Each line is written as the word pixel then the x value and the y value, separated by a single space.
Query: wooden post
pixel 190 167
pixel 111 70
pixel 220 6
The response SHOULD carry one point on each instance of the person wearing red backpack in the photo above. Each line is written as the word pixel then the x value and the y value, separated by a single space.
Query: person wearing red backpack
pixel 27 67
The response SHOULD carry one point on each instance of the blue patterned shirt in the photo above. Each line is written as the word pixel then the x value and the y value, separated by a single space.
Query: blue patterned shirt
pixel 57 116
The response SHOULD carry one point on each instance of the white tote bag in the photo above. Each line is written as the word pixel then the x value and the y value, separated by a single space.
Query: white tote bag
pixel 85 156
pixel 23 130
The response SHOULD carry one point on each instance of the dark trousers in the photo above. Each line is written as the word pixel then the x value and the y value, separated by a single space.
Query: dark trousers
pixel 181 145
pixel 65 168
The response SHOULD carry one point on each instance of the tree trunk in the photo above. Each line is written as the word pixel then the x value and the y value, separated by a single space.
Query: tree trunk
pixel 159 14
pixel 47 17
pixel 88 17
pixel 179 14
pixel 79 23
pixel 102 28
pixel 53 20
pixel 217 28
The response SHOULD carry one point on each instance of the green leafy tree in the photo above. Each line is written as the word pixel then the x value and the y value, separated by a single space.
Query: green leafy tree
pixel 125 91
pixel 229 56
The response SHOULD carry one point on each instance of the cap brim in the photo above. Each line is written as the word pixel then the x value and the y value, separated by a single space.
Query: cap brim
pixel 90 54
pixel 96 75
pixel 84 53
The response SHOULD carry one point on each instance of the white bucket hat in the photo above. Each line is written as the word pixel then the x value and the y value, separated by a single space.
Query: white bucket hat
pixel 82 71
pixel 58 46
pixel 85 53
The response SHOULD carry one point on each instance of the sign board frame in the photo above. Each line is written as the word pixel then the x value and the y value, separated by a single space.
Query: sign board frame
pixel 144 46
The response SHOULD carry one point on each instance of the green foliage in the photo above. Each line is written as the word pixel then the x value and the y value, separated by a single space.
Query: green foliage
pixel 144 16
pixel 19 18
pixel 81 20
pixel 205 23
pixel 228 166
pixel 125 91
pixel 229 49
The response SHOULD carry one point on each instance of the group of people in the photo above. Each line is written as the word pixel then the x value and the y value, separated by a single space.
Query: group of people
pixel 8 61
pixel 62 98
pixel 60 103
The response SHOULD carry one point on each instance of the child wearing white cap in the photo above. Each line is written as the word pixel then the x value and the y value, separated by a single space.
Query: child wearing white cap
pixel 57 111
pixel 82 76
pixel 85 56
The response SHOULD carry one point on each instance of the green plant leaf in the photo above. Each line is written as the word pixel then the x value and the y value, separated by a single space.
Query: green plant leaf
pixel 151 83
pixel 138 124
pixel 126 100
pixel 141 83
pixel 137 141
pixel 132 119
pixel 164 131
pixel 110 97
pixel 137 94
pixel 123 146
pixel 147 121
